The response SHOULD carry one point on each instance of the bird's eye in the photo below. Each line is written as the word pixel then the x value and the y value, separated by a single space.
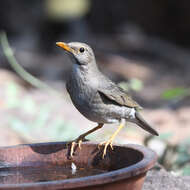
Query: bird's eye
pixel 81 49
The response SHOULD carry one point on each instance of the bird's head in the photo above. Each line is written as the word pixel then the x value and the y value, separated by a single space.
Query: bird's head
pixel 82 53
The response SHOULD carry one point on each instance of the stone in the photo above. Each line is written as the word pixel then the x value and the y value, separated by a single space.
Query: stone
pixel 163 180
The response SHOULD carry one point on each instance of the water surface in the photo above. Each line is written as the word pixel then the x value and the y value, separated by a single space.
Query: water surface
pixel 31 175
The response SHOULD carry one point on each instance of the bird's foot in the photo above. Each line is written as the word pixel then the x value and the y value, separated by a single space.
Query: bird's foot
pixel 106 144
pixel 75 144
pixel 110 141
pixel 72 149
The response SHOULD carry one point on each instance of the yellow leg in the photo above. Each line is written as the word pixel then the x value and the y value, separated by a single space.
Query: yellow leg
pixel 110 141
pixel 81 137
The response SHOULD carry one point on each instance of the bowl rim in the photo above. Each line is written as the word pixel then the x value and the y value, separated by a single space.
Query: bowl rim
pixel 141 167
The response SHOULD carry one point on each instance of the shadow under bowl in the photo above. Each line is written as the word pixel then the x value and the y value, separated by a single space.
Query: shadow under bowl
pixel 46 166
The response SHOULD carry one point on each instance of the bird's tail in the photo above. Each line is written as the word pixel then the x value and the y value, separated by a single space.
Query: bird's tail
pixel 143 124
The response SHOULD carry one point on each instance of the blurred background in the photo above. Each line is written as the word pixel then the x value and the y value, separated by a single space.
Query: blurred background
pixel 142 46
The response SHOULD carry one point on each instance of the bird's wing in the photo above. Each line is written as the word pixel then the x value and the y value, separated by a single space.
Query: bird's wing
pixel 118 95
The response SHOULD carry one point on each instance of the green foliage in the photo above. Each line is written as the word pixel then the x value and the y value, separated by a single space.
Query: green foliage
pixel 186 170
pixel 165 136
pixel 62 130
pixel 133 84
pixel 29 106
pixel 175 93
pixel 136 84
pixel 54 128
pixel 26 126
pixel 174 157
pixel 183 157
pixel 12 92
pixel 19 126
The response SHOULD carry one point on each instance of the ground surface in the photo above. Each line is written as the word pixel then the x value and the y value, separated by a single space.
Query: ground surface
pixel 162 180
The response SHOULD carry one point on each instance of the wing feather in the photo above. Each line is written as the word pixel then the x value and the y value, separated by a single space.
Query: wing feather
pixel 117 94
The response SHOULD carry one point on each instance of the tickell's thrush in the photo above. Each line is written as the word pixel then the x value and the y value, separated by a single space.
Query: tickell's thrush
pixel 98 98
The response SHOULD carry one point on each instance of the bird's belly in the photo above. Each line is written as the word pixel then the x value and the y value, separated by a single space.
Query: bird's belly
pixel 104 114
pixel 99 112
pixel 89 103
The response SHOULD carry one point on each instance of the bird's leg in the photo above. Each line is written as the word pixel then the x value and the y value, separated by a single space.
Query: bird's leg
pixel 81 137
pixel 110 141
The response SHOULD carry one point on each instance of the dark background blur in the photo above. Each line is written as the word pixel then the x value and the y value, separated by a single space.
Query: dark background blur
pixel 143 45
pixel 157 30
pixel 165 19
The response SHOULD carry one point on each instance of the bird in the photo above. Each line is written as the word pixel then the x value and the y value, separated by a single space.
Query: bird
pixel 98 98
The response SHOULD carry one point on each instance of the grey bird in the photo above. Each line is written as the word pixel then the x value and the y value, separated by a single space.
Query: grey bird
pixel 97 97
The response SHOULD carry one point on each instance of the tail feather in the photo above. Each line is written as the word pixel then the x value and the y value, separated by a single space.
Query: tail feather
pixel 143 124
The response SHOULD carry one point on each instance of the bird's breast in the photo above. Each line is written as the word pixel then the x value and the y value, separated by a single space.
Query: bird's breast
pixel 85 97
pixel 81 92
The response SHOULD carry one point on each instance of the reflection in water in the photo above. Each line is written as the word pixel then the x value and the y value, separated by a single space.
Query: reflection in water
pixel 30 175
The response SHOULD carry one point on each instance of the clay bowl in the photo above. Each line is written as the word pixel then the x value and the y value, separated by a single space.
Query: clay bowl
pixel 46 166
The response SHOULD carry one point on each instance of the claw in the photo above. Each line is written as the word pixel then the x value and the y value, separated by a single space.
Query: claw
pixel 110 141
pixel 100 144
pixel 72 148
pixel 111 145
pixel 106 144
pixel 79 144
pixel 74 145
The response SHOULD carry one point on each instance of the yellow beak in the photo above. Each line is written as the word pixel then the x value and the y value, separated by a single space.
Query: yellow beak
pixel 64 46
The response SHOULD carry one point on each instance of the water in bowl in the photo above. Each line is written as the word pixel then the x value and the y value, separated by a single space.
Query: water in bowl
pixel 31 175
